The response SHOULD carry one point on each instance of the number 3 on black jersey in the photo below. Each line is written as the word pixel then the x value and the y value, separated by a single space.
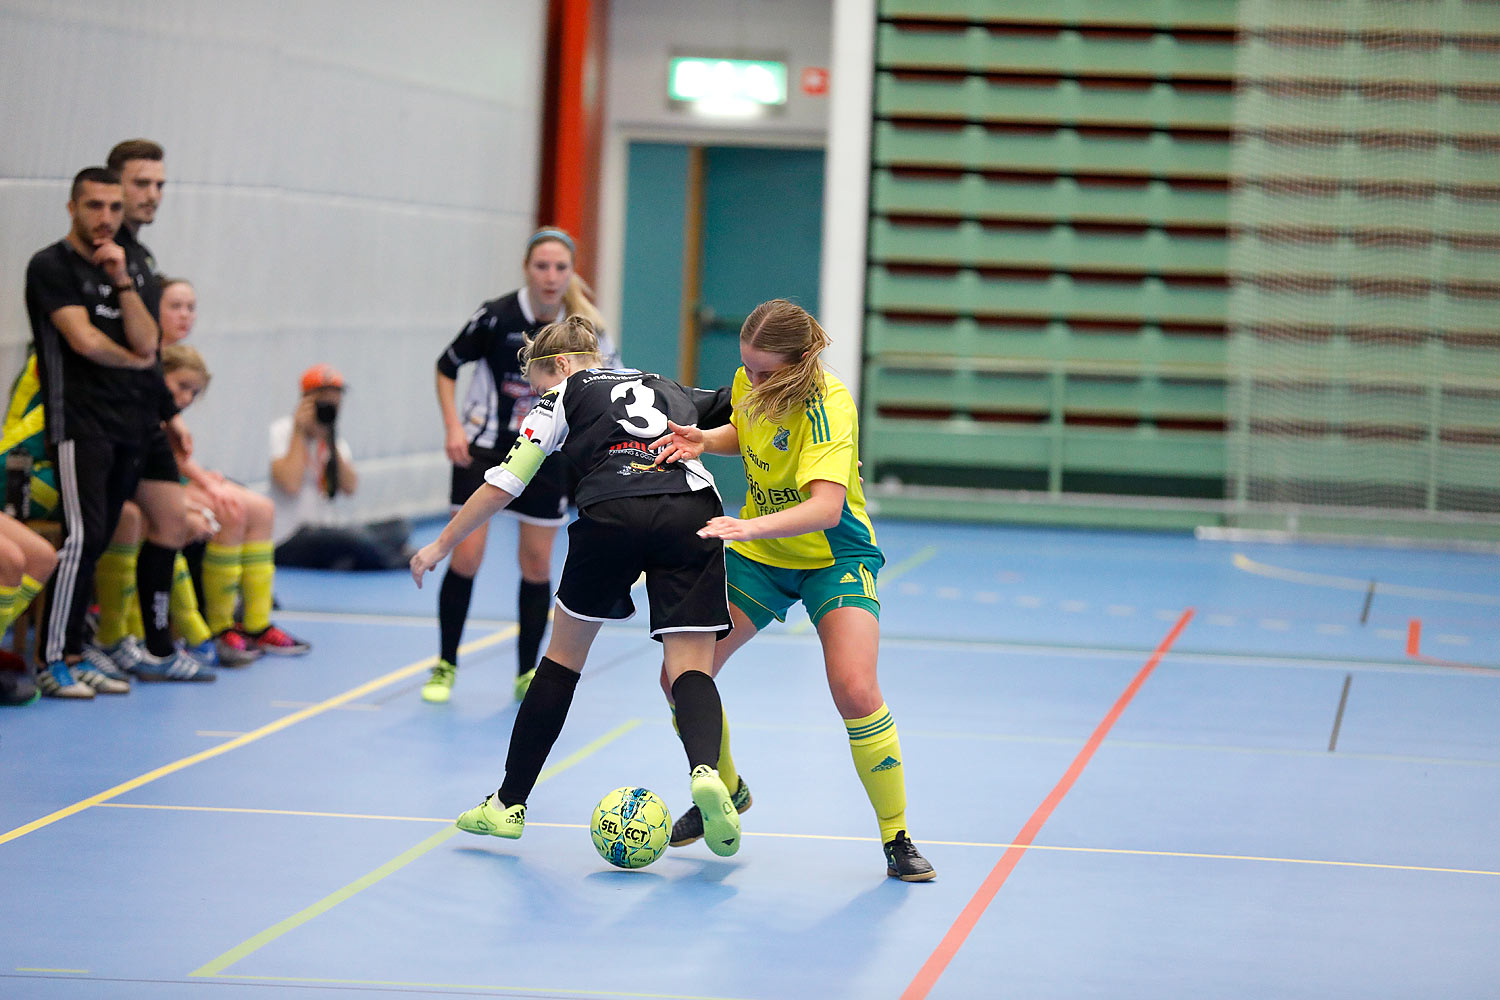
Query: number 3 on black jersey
pixel 642 408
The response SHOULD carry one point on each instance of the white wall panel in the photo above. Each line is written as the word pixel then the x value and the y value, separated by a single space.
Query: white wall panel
pixel 346 182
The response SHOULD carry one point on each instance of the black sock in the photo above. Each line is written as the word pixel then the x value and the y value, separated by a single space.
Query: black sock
pixel 453 611
pixel 194 555
pixel 153 583
pixel 700 717
pixel 533 601
pixel 538 722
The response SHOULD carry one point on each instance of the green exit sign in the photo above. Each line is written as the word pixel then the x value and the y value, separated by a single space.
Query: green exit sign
pixel 713 82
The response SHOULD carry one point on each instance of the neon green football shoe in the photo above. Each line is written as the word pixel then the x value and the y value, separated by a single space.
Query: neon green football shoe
pixel 492 818
pixel 439 685
pixel 523 684
pixel 721 821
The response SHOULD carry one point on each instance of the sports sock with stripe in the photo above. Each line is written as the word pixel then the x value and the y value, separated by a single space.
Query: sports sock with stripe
pixel 8 612
pixel 877 757
pixel 186 619
pixel 257 581
pixel 24 595
pixel 221 584
pixel 21 599
pixel 114 583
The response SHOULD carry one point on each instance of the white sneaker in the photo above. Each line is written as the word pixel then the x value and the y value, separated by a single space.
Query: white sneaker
pixel 126 653
pixel 56 680
pixel 99 672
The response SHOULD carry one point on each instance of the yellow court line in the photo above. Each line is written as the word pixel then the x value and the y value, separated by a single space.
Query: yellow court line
pixel 277 726
pixel 852 839
pixel 1248 565
pixel 911 562
pixel 328 902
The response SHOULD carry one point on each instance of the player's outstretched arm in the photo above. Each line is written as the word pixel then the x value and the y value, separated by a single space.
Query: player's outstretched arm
pixel 819 512
pixel 486 502
pixel 689 442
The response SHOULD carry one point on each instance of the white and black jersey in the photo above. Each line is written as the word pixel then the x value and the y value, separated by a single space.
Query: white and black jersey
pixel 499 396
pixel 603 422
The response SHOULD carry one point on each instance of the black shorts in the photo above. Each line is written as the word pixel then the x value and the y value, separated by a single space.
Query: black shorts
pixel 614 541
pixel 157 462
pixel 543 501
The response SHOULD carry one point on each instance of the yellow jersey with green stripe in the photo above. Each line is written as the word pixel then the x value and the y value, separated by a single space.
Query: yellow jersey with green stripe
pixel 817 441
pixel 24 416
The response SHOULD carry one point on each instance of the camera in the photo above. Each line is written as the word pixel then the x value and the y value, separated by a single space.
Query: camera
pixel 326 413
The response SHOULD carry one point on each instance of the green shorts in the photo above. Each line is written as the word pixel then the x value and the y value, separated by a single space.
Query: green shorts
pixel 764 592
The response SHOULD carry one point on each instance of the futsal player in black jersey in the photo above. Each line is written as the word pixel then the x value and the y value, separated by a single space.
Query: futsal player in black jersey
pixel 634 516
pixel 91 331
pixel 480 434
pixel 160 493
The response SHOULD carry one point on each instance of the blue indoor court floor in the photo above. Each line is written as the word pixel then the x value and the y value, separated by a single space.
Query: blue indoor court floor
pixel 1144 766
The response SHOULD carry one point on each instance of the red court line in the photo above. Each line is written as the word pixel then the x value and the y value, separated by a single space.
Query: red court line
pixel 1414 649
pixel 927 976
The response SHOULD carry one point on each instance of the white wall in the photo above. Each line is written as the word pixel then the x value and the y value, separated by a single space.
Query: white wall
pixel 643 35
pixel 846 189
pixel 347 181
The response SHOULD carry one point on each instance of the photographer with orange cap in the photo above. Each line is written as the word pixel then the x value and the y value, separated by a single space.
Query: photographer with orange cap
pixel 312 470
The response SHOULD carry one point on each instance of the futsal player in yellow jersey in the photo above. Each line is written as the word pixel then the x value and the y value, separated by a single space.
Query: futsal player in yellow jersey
pixel 803 535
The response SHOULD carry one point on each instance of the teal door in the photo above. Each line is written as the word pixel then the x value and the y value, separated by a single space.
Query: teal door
pixel 710 233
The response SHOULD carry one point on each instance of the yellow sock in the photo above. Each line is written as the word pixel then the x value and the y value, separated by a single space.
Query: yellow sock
pixel 114 582
pixel 877 758
pixel 259 577
pixel 30 587
pixel 186 619
pixel 726 768
pixel 8 612
pixel 221 584
pixel 133 624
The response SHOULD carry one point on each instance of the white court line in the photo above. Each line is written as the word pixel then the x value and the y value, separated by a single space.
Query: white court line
pixel 1248 565
pixel 986 845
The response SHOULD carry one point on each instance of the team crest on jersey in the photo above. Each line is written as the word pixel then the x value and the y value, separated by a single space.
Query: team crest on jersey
pixel 779 442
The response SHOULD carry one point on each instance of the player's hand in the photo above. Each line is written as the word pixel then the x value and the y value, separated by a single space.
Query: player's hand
pixel 201 523
pixel 178 436
pixel 226 500
pixel 681 443
pixel 426 558
pixel 730 529
pixel 111 257
pixel 456 444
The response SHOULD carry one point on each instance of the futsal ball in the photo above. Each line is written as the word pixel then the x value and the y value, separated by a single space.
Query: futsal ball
pixel 631 827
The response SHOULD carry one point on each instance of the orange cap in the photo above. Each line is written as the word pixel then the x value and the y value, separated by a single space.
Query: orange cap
pixel 321 377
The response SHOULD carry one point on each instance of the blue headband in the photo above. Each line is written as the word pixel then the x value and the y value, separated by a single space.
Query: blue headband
pixel 552 234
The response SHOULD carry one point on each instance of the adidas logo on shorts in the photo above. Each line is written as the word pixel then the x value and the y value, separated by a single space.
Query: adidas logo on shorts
pixel 848 578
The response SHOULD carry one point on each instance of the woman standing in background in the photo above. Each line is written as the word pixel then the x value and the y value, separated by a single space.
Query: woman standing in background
pixel 479 436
